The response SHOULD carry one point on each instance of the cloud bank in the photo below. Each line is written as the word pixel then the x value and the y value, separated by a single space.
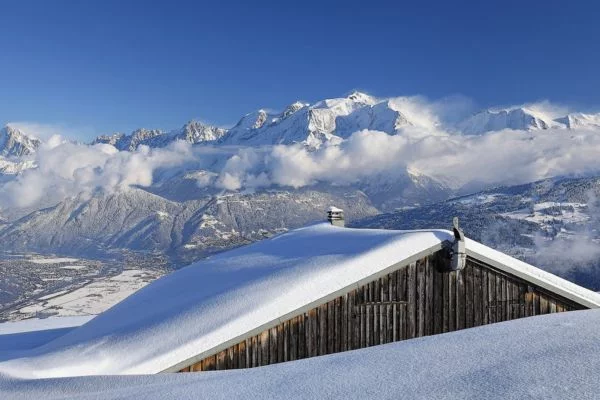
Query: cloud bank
pixel 429 147
pixel 66 169
pixel 498 158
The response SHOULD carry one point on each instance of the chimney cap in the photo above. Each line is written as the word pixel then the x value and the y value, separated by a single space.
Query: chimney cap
pixel 335 216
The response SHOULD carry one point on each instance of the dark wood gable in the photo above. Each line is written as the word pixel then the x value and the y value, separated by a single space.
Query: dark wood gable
pixel 416 300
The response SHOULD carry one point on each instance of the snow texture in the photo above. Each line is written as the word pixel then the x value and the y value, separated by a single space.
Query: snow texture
pixel 546 357
pixel 31 333
pixel 222 299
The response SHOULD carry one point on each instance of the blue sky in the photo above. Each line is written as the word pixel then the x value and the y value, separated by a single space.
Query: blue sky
pixel 93 67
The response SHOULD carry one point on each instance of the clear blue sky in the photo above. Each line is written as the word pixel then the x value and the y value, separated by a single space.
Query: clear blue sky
pixel 106 66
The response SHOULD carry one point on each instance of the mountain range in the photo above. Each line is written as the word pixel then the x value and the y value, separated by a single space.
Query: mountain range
pixel 178 216
pixel 325 122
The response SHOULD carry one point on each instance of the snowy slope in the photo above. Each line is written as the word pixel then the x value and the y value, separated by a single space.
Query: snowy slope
pixel 520 118
pixel 14 166
pixel 580 120
pixel 498 361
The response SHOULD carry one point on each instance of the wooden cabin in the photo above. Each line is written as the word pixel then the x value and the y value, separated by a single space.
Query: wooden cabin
pixel 414 300
pixel 312 291
pixel 421 295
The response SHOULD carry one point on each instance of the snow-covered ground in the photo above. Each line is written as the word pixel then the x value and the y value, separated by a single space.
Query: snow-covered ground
pixel 91 299
pixel 547 357
pixel 44 285
pixel 51 260
pixel 30 333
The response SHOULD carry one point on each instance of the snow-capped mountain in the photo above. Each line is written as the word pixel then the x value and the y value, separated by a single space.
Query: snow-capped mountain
pixel 196 132
pixel 192 132
pixel 524 118
pixel 14 166
pixel 330 121
pixel 580 120
pixel 16 143
pixel 181 206
pixel 494 120
pixel 327 121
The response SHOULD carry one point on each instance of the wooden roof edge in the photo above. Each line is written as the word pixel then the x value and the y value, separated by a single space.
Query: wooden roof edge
pixel 535 275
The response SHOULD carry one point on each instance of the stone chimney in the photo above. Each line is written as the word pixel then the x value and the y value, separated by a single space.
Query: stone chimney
pixel 335 216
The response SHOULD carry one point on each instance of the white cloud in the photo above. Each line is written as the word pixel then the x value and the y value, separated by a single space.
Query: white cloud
pixel 504 157
pixel 67 169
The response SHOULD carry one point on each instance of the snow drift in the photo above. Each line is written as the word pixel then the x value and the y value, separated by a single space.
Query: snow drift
pixel 554 356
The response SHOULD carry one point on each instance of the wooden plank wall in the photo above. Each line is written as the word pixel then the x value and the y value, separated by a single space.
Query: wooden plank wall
pixel 413 301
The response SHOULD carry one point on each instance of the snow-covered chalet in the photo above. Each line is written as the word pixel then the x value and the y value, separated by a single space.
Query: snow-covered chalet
pixel 312 291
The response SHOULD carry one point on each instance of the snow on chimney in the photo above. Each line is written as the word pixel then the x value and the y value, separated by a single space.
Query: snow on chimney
pixel 335 216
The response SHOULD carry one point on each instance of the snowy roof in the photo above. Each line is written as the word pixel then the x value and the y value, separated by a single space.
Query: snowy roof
pixel 217 302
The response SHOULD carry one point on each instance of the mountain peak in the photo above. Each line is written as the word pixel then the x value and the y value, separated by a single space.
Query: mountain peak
pixel 15 143
pixel 361 97
pixel 253 120
pixel 292 108
pixel 580 120
pixel 111 139
pixel 196 132
pixel 516 118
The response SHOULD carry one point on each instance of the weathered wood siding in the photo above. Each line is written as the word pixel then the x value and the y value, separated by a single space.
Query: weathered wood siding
pixel 414 301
